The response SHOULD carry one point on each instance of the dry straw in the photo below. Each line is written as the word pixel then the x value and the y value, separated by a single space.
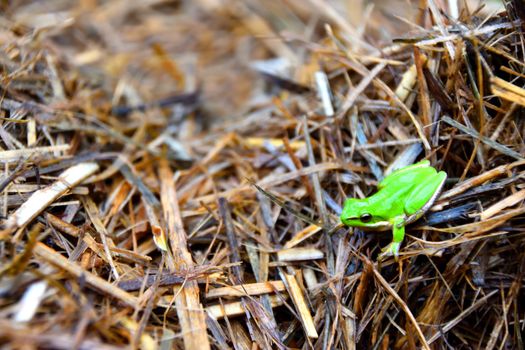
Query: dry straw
pixel 173 174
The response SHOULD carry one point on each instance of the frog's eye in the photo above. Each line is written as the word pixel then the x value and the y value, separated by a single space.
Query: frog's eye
pixel 365 217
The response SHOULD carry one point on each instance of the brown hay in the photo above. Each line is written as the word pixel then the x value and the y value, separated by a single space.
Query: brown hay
pixel 173 174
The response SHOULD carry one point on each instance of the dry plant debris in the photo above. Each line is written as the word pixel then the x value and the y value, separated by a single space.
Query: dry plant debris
pixel 173 171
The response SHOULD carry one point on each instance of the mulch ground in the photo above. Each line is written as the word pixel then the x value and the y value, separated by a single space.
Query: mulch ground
pixel 173 174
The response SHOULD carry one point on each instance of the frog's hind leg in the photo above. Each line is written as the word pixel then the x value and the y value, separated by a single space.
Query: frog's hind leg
pixel 423 196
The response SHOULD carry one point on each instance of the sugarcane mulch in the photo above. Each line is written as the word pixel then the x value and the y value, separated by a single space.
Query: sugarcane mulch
pixel 173 175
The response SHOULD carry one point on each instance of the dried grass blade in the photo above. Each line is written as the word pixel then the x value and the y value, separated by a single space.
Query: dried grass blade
pixel 504 203
pixel 13 155
pixel 403 305
pixel 504 85
pixel 246 289
pixel 107 242
pixel 354 93
pixel 41 199
pixel 285 206
pixel 493 144
pixel 477 180
pixel 300 304
pixel 254 308
pixel 299 254
pixel 408 80
pixel 237 308
pixel 189 309
pixel 315 176
pixel 302 235
pixel 450 324
pixel 232 239
pixel 97 283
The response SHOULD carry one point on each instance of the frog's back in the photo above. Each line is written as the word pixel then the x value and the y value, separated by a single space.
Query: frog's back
pixel 390 200
pixel 407 178
pixel 408 174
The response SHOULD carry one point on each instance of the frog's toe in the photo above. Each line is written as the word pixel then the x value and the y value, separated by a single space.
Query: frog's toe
pixel 390 250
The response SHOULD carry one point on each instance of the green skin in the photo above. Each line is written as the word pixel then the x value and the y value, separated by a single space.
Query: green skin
pixel 402 198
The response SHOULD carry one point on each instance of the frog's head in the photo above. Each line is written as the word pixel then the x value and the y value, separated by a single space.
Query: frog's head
pixel 359 213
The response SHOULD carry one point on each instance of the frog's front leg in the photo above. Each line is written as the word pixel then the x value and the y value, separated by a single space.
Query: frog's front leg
pixel 398 233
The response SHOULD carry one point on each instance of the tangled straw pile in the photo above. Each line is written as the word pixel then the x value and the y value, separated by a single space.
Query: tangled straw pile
pixel 173 174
